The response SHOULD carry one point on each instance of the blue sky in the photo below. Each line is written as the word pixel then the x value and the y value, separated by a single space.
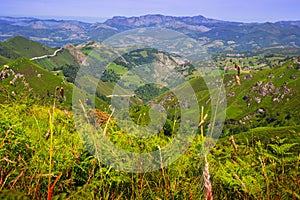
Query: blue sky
pixel 91 10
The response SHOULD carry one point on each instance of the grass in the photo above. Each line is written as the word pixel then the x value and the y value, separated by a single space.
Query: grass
pixel 237 105
pixel 284 113
pixel 23 47
pixel 32 147
pixel 46 64
pixel 117 68
pixel 63 162
pixel 3 60
pixel 40 86
pixel 35 166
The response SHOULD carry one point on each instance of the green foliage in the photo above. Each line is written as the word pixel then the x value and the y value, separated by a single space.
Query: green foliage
pixel 258 170
pixel 137 58
pixel 25 147
pixel 110 75
pixel 25 159
pixel 149 91
pixel 69 72
pixel 21 47
pixel 266 165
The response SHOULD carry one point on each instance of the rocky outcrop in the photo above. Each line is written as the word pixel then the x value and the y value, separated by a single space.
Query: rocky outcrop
pixel 266 89
pixel 259 111
pixel 271 76
pixel 231 94
pixel 193 24
pixel 248 77
pixel 290 67
pixel 257 99
pixel 8 73
pixel 293 76
pixel 260 90
pixel 280 76
pixel 246 98
pixel 80 57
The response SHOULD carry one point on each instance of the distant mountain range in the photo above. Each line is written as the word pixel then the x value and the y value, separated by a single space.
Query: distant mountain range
pixel 217 34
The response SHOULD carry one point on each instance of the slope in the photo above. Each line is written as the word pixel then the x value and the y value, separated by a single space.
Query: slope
pixel 266 98
pixel 22 78
pixel 4 60
pixel 20 46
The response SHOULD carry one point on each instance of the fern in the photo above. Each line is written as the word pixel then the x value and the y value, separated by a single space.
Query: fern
pixel 283 149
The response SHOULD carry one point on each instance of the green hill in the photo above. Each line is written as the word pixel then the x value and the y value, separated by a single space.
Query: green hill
pixel 26 79
pixel 7 52
pixel 265 98
pixel 18 46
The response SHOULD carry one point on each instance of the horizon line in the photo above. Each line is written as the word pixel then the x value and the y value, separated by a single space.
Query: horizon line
pixel 101 19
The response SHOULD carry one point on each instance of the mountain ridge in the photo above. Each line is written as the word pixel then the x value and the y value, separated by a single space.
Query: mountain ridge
pixel 218 34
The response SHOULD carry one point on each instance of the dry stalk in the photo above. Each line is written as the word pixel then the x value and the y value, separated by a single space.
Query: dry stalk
pixel 233 143
pixel 242 183
pixel 15 181
pixel 207 183
pixel 237 77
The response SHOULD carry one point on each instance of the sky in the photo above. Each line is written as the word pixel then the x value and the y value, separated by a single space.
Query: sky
pixel 99 10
